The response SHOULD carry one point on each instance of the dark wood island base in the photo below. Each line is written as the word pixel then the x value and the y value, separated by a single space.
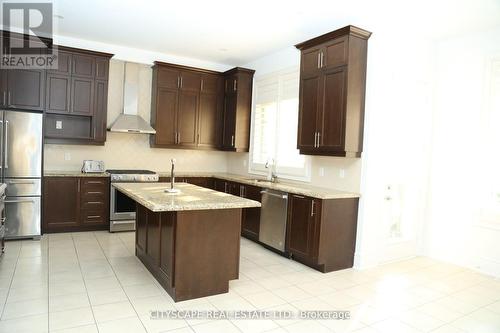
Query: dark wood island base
pixel 191 253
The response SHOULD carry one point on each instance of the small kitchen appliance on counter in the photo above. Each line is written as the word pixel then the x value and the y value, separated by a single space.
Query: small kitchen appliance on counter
pixel 92 166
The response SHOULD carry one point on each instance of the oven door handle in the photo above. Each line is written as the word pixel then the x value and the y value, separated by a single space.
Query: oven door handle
pixel 121 222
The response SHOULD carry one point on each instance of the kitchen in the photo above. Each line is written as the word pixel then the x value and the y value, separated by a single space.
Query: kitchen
pixel 153 181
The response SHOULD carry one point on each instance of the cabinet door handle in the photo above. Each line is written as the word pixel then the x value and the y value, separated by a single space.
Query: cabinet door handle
pixel 312 207
pixel 94 192
pixel 201 85
pixel 94 202
pixel 181 81
pixel 179 137
pixel 8 99
pixel 94 182
pixel 298 196
pixel 319 141
pixel 319 59
pixel 178 82
pixel 93 216
pixel 315 139
pixel 232 140
pixel 234 85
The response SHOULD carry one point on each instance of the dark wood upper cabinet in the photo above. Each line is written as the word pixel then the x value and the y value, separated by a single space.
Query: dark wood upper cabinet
pixel 186 107
pixel 332 93
pixel 24 89
pixel 83 65
pixel 58 90
pixel 76 98
pixel 238 84
pixel 187 118
pixel 100 110
pixel 82 101
pixel 64 63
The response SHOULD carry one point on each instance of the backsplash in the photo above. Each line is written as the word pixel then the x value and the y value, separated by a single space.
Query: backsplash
pixel 124 151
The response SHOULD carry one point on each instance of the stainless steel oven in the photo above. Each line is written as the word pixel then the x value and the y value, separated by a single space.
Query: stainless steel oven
pixel 122 208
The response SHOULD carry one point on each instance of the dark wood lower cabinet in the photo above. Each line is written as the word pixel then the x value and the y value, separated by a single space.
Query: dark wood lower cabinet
pixel 206 182
pixel 322 233
pixel 250 223
pixel 164 243
pixel 75 204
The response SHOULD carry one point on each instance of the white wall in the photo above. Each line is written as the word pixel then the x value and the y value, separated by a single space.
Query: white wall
pixel 453 232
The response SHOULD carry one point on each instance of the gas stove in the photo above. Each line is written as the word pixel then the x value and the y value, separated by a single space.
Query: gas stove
pixel 120 175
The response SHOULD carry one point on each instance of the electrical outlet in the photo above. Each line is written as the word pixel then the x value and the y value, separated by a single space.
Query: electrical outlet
pixel 321 172
pixel 59 124
pixel 67 156
pixel 342 173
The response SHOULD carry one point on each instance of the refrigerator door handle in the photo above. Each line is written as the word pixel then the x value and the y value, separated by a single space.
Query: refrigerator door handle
pixel 19 201
pixel 6 144
pixel 1 146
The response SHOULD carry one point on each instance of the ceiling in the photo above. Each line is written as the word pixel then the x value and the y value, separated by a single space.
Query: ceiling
pixel 237 32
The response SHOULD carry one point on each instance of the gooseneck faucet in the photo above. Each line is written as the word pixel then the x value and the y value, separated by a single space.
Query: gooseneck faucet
pixel 172 174
pixel 172 188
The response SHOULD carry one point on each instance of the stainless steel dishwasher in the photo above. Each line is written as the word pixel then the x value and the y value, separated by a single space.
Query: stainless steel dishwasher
pixel 273 216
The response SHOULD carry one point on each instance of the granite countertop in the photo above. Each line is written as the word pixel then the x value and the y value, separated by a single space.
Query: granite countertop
pixel 300 189
pixel 63 173
pixel 190 197
pixel 289 187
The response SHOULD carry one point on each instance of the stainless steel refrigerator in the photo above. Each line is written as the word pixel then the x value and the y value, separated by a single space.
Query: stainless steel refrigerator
pixel 21 169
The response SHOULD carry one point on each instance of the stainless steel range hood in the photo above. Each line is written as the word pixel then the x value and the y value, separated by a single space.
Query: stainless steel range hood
pixel 129 121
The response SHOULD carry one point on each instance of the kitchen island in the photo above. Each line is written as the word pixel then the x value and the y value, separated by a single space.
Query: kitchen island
pixel 189 241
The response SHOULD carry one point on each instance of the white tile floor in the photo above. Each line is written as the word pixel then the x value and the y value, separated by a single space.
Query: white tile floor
pixel 92 282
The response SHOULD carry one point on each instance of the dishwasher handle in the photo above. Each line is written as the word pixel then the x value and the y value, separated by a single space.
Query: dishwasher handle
pixel 281 196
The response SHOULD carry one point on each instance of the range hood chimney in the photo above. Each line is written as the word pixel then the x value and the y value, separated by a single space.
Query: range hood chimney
pixel 129 121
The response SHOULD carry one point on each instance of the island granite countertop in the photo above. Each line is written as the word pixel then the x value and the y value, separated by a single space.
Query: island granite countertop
pixel 190 197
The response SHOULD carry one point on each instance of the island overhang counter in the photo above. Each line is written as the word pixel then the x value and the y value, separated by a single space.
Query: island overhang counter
pixel 189 241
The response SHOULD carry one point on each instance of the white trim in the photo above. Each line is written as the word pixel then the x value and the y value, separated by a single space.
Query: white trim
pixel 258 168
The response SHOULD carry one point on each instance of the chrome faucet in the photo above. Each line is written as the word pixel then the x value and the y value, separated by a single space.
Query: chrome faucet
pixel 172 174
pixel 271 174
pixel 172 179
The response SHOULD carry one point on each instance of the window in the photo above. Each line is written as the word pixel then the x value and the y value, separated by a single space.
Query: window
pixel 275 121
pixel 490 181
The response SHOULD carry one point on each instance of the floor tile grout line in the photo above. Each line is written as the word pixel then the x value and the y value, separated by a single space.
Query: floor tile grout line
pixel 114 272
pixel 84 282
pixel 11 281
